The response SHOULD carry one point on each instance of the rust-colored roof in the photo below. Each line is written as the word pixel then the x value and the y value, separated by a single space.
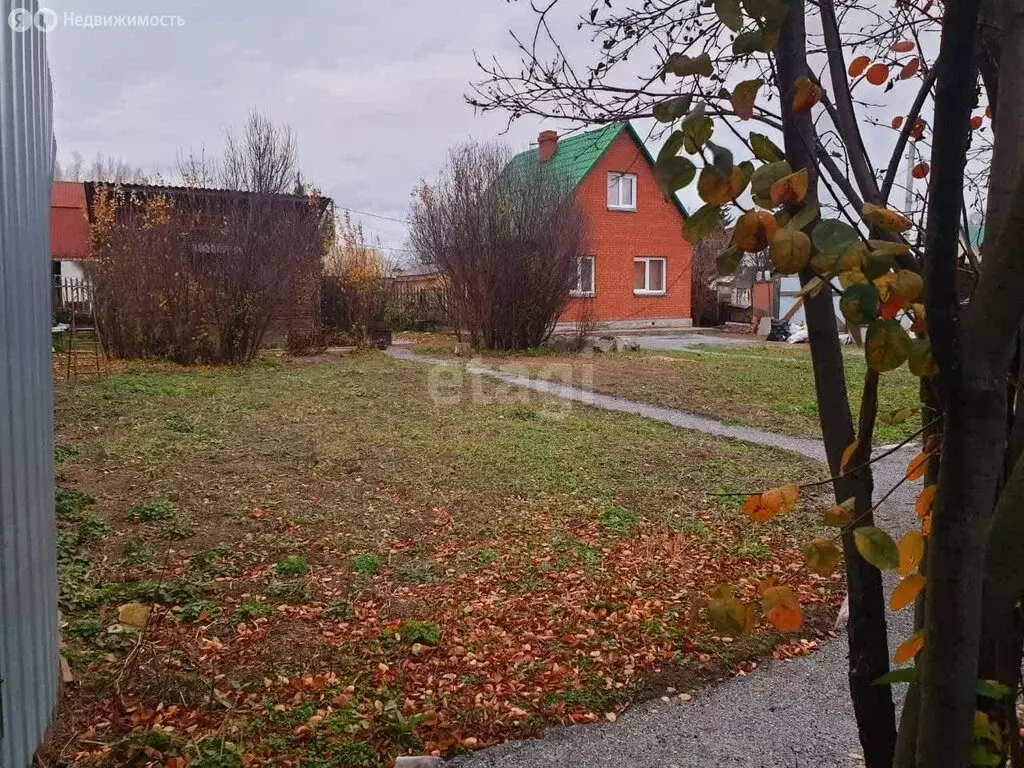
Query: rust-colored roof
pixel 69 227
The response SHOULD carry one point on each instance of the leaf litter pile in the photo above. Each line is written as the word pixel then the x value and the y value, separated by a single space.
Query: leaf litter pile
pixel 314 565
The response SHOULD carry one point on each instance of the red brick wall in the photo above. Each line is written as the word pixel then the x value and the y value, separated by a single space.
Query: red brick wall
pixel 654 229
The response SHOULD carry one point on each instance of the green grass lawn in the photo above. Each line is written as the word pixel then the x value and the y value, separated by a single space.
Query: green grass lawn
pixel 770 386
pixel 354 559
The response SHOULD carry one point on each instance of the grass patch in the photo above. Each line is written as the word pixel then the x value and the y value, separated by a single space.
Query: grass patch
pixel 150 512
pixel 296 565
pixel 367 564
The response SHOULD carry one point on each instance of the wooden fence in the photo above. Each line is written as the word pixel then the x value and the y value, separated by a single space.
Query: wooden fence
pixel 418 307
pixel 71 296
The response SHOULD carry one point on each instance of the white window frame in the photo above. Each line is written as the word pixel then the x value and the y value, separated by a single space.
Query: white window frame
pixel 619 178
pixel 646 291
pixel 578 291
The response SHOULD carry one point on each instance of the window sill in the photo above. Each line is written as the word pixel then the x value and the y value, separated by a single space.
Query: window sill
pixel 623 208
pixel 582 294
pixel 648 293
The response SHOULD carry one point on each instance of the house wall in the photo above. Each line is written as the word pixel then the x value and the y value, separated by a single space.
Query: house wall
pixel 29 667
pixel 654 229
pixel 762 298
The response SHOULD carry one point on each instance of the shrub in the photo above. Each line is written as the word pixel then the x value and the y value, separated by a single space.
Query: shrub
pixel 367 564
pixel 425 632
pixel 292 566
pixel 150 512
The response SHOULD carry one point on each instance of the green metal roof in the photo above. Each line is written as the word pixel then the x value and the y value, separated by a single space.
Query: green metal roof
pixel 577 155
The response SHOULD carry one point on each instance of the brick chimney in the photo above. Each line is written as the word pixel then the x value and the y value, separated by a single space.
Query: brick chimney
pixel 547 145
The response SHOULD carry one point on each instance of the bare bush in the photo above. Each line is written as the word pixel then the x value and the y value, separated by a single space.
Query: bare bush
pixel 507 240
pixel 198 277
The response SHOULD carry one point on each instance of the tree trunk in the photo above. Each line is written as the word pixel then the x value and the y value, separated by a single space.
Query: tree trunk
pixel 867 631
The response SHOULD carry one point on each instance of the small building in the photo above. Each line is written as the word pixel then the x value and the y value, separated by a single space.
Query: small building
pixel 418 277
pixel 637 274
pixel 69 229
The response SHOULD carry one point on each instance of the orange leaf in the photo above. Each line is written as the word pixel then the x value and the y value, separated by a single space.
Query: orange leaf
pixel 790 190
pixel 911 549
pixel 903 46
pixel 777 501
pixel 906 592
pixel 926 526
pixel 754 230
pixel 975 122
pixel 910 69
pixel 848 454
pixel 925 501
pixel 917 132
pixel 988 112
pixel 897 122
pixel 917 466
pixel 909 648
pixel 766 584
pixel 806 95
pixel 920 170
pixel 877 74
pixel 858 65
pixel 782 610
pixel 891 307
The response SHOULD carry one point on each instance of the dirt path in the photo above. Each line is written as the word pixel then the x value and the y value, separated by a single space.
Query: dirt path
pixel 794 714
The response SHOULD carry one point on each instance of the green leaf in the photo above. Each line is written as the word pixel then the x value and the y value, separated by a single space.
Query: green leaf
pixel 860 303
pixel 992 689
pixel 762 180
pixel 672 109
pixel 674 173
pixel 821 556
pixel 920 359
pixel 790 251
pixel 825 263
pixel 877 547
pixel 743 97
pixel 804 216
pixel 702 223
pixel 833 236
pixel 672 145
pixel 730 14
pixel 877 264
pixel 721 159
pixel 728 261
pixel 886 346
pixel 981 757
pixel 904 675
pixel 765 149
pixel 697 129
pixel 747 42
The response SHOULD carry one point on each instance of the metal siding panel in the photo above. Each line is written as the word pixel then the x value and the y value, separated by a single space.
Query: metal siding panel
pixel 28 582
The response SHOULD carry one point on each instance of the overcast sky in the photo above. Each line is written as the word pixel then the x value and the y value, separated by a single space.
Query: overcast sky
pixel 374 90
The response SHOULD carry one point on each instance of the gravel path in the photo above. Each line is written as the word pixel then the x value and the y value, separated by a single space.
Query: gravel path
pixel 794 714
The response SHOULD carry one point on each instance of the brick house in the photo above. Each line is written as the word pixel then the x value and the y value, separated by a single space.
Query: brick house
pixel 637 274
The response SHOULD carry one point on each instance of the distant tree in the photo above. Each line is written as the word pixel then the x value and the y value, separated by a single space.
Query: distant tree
pixel 260 157
pixel 105 168
pixel 507 240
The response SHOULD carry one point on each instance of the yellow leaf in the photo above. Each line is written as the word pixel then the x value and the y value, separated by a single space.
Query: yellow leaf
pixel 908 285
pixel 754 230
pixel 790 190
pixel 848 455
pixel 906 592
pixel 743 97
pixel 917 466
pixel 886 219
pixel 909 648
pixel 877 547
pixel 805 95
pixel 790 251
pixel 821 556
pixel 925 500
pixel 838 517
pixel 782 610
pixel 911 548
pixel 715 190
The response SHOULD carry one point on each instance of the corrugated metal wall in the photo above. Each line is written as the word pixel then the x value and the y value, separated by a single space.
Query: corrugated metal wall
pixel 28 568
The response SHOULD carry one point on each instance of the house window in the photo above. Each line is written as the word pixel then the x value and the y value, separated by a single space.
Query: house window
pixel 649 276
pixel 584 277
pixel 622 191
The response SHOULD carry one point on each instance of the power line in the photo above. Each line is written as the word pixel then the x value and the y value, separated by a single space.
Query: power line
pixel 372 215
